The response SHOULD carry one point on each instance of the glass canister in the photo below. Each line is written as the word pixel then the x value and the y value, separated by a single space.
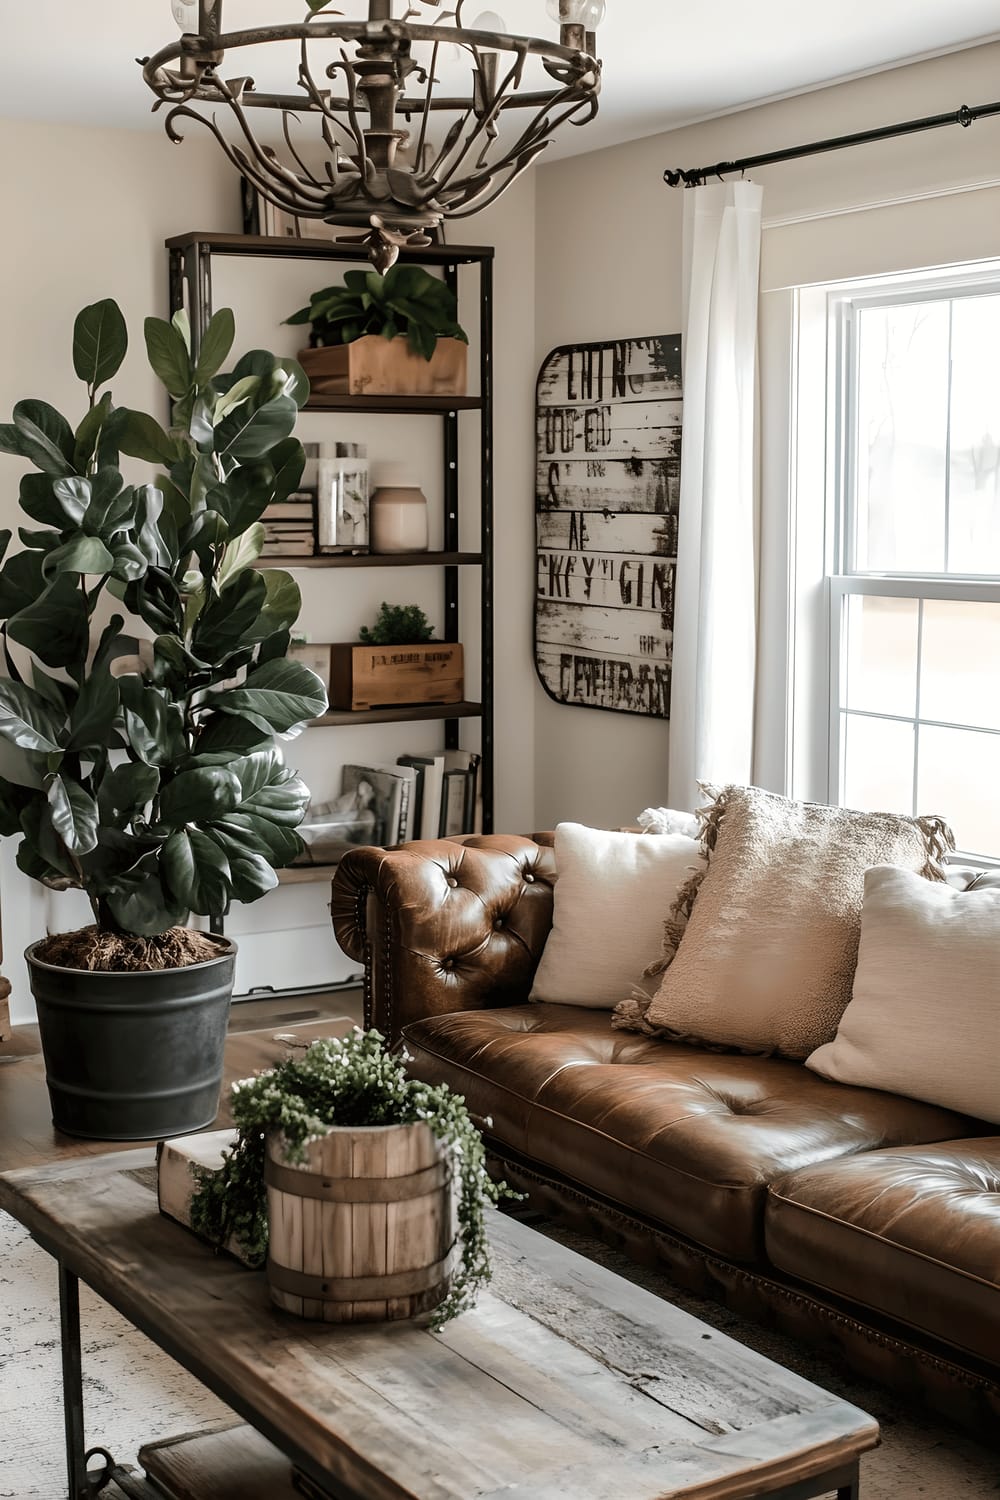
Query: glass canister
pixel 398 515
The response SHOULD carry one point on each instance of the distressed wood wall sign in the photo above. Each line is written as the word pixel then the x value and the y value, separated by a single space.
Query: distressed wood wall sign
pixel 607 486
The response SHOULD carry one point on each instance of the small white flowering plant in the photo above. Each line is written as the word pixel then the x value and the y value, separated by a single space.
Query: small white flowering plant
pixel 348 1081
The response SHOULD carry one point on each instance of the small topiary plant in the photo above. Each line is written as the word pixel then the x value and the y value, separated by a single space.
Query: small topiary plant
pixel 350 1081
pixel 398 625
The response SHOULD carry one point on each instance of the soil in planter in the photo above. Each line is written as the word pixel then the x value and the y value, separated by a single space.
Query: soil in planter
pixel 120 952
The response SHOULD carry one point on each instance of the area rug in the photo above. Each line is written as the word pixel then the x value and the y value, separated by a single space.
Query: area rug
pixel 134 1394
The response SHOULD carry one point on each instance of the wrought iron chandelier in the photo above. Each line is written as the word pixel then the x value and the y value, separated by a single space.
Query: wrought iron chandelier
pixel 370 93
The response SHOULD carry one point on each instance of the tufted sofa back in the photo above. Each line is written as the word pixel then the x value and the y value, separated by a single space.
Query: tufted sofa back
pixel 458 924
pixel 445 924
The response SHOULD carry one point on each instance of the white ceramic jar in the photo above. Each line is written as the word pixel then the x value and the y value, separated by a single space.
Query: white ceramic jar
pixel 398 516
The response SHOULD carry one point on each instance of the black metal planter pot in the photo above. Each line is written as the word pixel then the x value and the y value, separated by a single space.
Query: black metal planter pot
pixel 133 1056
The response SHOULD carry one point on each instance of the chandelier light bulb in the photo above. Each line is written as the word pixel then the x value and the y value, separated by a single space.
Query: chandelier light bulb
pixel 586 13
pixel 185 14
pixel 489 21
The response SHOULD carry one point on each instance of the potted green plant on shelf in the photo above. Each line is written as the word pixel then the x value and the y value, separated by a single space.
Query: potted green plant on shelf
pixel 341 1133
pixel 396 334
pixel 397 663
pixel 149 776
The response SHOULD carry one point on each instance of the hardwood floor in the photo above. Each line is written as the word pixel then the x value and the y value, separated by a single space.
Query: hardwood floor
pixel 27 1138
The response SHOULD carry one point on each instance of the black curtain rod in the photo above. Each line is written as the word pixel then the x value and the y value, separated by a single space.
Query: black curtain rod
pixel 696 176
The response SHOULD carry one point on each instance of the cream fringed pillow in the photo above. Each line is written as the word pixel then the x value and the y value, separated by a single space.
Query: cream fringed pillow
pixel 924 1018
pixel 768 954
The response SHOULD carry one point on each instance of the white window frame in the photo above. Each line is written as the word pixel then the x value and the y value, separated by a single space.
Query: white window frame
pixel 825 370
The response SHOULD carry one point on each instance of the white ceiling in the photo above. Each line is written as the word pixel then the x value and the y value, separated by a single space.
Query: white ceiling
pixel 666 62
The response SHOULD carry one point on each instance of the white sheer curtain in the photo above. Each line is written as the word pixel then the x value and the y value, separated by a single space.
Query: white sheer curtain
pixel 715 608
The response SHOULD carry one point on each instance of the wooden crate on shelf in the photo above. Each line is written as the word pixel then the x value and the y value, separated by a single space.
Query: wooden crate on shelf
pixel 376 366
pixel 363 677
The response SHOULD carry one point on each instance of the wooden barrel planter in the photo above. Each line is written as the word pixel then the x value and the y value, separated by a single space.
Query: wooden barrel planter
pixel 364 1230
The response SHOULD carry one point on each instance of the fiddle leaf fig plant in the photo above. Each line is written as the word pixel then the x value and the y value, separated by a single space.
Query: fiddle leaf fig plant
pixel 145 767
pixel 407 302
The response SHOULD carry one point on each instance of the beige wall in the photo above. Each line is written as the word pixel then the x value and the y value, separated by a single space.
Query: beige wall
pixel 609 236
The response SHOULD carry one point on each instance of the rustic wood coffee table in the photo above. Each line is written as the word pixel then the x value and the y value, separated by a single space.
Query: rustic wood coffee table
pixel 566 1381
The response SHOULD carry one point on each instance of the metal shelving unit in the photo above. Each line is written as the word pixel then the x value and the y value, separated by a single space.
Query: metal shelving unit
pixel 191 258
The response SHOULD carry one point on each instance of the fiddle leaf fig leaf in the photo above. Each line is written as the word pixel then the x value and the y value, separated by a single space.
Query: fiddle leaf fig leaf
pixel 215 346
pixel 20 582
pixel 239 832
pixel 148 510
pixel 197 796
pixel 74 814
pixel 88 434
pixel 110 505
pixel 83 554
pixel 126 790
pixel 276 697
pixel 139 902
pixel 45 437
pixel 229 735
pixel 27 720
pixel 197 872
pixel 14 798
pixel 282 604
pixel 234 397
pixel 74 497
pixel 230 619
pixel 100 342
pixel 168 356
pixel 94 713
pixel 249 432
pixel 141 436
pixel 242 553
pixel 56 626
pixel 153 725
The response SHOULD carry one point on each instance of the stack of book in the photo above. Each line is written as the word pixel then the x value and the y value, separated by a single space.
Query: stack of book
pixel 444 795
pixel 290 526
pixel 420 797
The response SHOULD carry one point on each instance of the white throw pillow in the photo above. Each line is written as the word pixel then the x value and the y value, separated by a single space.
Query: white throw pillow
pixel 924 1019
pixel 611 895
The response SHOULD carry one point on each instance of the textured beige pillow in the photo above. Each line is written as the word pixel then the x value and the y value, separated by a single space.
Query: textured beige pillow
pixel 610 895
pixel 767 958
pixel 924 1019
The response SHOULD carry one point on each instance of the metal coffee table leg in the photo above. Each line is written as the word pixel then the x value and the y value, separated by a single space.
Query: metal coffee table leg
pixel 82 1485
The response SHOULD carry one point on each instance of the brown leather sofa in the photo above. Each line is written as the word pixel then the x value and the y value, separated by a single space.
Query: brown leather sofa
pixel 859 1219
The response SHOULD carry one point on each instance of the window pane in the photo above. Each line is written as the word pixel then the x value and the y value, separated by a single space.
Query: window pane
pixel 974 530
pixel 881 654
pixel 902 437
pixel 960 664
pixel 877 762
pixel 958 778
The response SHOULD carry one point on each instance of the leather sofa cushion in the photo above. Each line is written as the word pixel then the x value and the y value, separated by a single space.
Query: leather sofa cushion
pixel 688 1138
pixel 913 1233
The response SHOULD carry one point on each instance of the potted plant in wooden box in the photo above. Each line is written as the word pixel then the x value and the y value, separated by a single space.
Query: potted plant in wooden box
pixel 150 779
pixel 396 663
pixel 375 335
pixel 339 1136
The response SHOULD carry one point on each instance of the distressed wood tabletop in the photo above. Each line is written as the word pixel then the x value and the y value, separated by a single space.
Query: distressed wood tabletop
pixel 566 1380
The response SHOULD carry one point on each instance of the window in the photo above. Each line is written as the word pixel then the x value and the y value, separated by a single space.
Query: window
pixel 913 550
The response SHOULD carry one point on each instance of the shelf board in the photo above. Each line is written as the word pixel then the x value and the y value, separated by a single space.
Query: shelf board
pixel 411 405
pixel 409 713
pixel 305 874
pixel 289 248
pixel 377 560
